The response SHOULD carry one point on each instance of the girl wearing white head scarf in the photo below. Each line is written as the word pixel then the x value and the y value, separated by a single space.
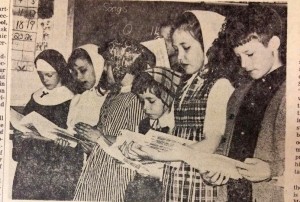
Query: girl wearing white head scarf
pixel 86 65
pixel 104 179
pixel 199 108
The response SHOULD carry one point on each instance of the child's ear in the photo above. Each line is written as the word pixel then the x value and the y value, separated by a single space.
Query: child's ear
pixel 274 43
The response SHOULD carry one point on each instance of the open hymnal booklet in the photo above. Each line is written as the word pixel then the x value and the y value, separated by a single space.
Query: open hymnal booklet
pixel 43 126
pixel 165 142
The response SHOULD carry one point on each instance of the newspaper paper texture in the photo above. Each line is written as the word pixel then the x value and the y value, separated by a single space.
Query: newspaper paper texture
pixel 28 27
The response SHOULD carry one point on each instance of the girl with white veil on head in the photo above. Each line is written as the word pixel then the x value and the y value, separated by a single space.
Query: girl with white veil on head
pixel 45 170
pixel 86 66
pixel 103 178
pixel 200 109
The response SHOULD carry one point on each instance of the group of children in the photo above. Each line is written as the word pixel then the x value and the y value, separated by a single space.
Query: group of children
pixel 122 88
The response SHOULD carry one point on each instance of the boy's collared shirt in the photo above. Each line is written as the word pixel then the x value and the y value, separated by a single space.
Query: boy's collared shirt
pixel 166 120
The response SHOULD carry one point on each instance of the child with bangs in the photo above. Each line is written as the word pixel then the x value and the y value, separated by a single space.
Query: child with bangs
pixel 156 89
pixel 255 126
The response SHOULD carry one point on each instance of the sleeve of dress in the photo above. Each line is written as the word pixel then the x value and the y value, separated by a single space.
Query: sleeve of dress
pixel 20 144
pixel 215 117
pixel 134 114
pixel 73 110
pixel 29 107
pixel 126 119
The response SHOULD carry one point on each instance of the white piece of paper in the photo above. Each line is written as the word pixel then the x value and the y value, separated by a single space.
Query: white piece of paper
pixel 165 142
pixel 46 128
pixel 15 118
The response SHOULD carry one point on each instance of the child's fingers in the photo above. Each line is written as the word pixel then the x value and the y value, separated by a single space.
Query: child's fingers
pixel 226 179
pixel 81 124
pixel 83 127
pixel 244 173
pixel 78 130
pixel 242 165
pixel 210 174
pixel 121 148
pixel 216 177
pixel 132 153
pixel 139 152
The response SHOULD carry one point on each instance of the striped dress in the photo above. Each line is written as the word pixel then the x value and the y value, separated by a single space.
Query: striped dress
pixel 102 178
pixel 184 183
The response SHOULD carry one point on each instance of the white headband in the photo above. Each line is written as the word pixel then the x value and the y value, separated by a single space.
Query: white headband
pixel 43 66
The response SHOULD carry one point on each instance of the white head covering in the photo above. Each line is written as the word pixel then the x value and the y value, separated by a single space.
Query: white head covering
pixel 47 97
pixel 210 24
pixel 97 60
pixel 86 107
pixel 43 66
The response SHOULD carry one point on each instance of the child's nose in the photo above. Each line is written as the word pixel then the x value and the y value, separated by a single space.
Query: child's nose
pixel 45 79
pixel 79 77
pixel 245 64
pixel 146 107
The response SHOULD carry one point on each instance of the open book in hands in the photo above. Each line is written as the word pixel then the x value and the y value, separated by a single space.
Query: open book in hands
pixel 165 144
pixel 35 123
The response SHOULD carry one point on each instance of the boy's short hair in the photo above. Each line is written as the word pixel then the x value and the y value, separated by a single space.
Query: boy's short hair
pixel 255 22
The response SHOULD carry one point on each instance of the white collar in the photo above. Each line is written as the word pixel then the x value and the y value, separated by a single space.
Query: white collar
pixel 56 96
pixel 126 89
pixel 167 119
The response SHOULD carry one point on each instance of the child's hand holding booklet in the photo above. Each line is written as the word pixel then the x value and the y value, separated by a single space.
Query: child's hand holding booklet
pixel 136 150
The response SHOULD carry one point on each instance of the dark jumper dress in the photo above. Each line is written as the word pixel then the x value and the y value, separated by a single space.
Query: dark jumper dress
pixel 45 171
pixel 147 189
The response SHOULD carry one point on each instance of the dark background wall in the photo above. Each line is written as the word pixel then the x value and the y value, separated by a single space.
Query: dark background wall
pixel 98 22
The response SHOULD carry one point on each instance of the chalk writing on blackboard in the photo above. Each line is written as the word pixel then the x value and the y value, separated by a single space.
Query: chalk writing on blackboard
pixel 109 7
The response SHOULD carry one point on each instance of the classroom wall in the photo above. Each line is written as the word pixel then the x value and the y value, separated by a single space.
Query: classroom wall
pixel 98 21
pixel 35 30
pixel 77 22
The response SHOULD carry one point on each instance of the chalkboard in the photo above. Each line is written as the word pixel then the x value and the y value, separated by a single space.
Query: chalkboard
pixel 99 22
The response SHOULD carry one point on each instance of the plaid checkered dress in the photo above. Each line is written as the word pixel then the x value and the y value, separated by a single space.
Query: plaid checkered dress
pixel 184 183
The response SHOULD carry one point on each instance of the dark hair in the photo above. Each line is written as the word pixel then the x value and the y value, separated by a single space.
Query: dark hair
pixel 142 62
pixel 78 53
pixel 57 61
pixel 255 22
pixel 189 22
pixel 221 63
pixel 144 82
pixel 145 60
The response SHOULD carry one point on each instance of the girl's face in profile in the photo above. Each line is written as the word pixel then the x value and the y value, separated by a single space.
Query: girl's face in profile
pixel 154 108
pixel 49 79
pixel 190 53
pixel 84 73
